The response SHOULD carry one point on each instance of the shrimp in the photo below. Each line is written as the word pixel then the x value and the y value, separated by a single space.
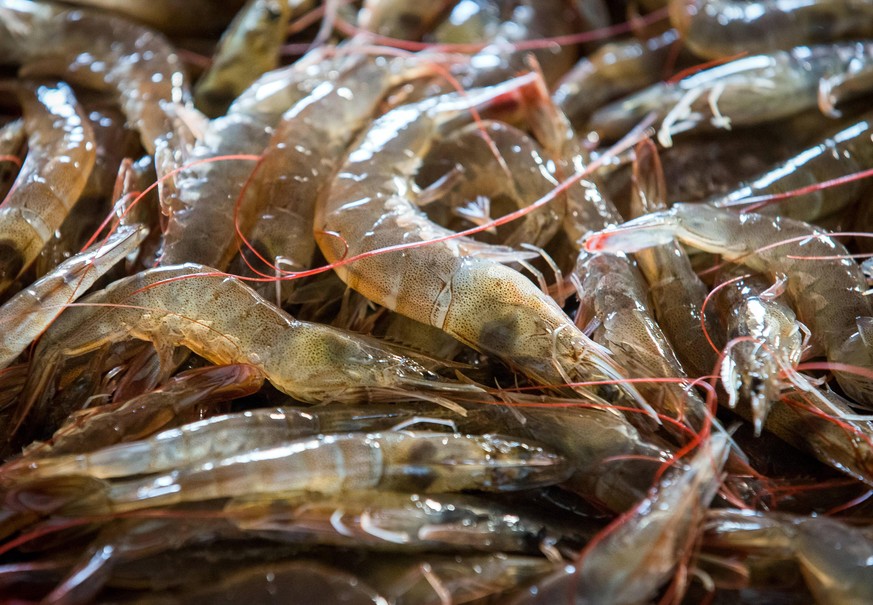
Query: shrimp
pixel 639 552
pixel 840 153
pixel 193 443
pixel 403 522
pixel 225 321
pixel 676 292
pixel 614 70
pixel 305 151
pixel 721 28
pixel 826 294
pixel 102 52
pixel 752 369
pixel 834 557
pixel 113 142
pixel 182 398
pixel 612 295
pixel 327 464
pixel 60 156
pixel 248 48
pixel 490 307
pixel 27 314
pixel 744 92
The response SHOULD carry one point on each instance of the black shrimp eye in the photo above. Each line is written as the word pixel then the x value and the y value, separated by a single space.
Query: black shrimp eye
pixel 428 375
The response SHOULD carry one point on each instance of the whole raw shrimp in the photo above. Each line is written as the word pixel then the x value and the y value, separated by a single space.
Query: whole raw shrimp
pixel 721 28
pixel 744 92
pixel 60 156
pixel 182 400
pixel 404 522
pixel 200 198
pixel 98 51
pixel 826 291
pixel 327 464
pixel 484 304
pixel 225 321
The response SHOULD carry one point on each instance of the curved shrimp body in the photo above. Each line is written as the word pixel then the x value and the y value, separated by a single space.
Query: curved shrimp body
pixel 249 48
pixel 765 341
pixel 101 52
pixel 846 152
pixel 613 70
pixel 825 292
pixel 488 306
pixel 721 28
pixel 27 314
pixel 744 92
pixel 834 557
pixel 331 464
pixel 386 520
pixel 60 156
pixel 225 321
pixel 305 151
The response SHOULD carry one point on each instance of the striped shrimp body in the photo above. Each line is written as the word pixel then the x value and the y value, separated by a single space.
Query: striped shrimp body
pixel 330 464
pixel 482 303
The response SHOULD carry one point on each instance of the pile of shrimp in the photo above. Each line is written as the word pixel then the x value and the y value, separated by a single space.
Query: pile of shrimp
pixel 463 301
